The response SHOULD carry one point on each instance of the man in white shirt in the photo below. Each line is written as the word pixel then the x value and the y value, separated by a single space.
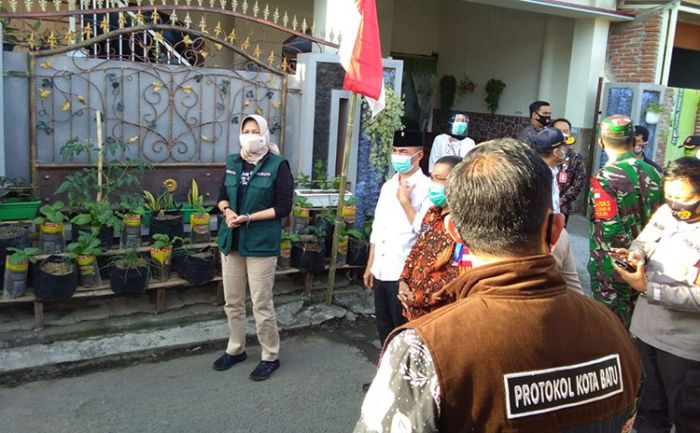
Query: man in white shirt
pixel 402 200
pixel 455 142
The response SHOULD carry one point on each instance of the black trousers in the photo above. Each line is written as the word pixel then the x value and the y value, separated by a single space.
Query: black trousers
pixel 671 392
pixel 387 307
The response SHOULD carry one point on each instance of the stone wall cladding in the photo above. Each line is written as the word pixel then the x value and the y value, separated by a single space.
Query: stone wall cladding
pixel 633 49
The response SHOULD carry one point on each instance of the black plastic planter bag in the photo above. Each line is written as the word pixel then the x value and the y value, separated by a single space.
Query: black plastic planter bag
pixel 197 268
pixel 129 281
pixel 55 278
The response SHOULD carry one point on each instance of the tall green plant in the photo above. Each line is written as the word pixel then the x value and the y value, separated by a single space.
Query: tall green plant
pixel 119 173
pixel 448 88
pixel 494 89
pixel 380 129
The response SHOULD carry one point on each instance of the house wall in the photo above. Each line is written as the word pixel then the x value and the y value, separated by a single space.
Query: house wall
pixel 633 50
pixel 471 39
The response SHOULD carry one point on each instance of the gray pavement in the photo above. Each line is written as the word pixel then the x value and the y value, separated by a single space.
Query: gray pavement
pixel 317 389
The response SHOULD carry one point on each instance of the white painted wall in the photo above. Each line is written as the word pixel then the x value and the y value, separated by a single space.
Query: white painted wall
pixel 529 51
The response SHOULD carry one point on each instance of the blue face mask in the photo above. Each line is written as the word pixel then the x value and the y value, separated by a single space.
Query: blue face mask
pixel 436 194
pixel 402 163
pixel 459 128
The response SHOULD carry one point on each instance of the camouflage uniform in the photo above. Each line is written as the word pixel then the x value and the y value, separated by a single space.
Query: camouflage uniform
pixel 622 197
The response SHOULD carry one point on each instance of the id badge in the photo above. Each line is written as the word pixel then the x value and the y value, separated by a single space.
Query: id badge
pixel 563 177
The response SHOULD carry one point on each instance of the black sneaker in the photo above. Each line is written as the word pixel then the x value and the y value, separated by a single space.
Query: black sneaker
pixel 227 361
pixel 264 370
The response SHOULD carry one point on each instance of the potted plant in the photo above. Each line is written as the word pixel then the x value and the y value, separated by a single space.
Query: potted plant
pixel 165 214
pixel 308 254
pixel 9 36
pixel 325 219
pixel 286 241
pixel 343 239
pixel 302 180
pixel 465 86
pixel 494 89
pixel 17 200
pixel 358 245
pixel 98 218
pixel 13 235
pixel 55 277
pixel 85 252
pixel 653 113
pixel 349 210
pixel 16 267
pixel 196 265
pixel 161 255
pixel 129 274
pixel 199 219
pixel 301 213
pixel 320 174
pixel 51 231
pixel 132 214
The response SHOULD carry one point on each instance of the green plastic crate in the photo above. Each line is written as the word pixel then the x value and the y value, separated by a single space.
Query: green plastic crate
pixel 13 209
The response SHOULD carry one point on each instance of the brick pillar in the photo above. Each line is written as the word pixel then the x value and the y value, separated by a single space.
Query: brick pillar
pixel 633 50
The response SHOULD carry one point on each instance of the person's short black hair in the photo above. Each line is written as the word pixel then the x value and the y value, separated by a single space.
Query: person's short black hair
pixel 687 169
pixel 561 119
pixel 643 131
pixel 450 160
pixel 535 106
pixel 499 196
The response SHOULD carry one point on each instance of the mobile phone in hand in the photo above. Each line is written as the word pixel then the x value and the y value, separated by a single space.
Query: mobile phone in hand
pixel 624 265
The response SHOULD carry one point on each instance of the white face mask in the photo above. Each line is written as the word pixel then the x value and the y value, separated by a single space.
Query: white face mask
pixel 252 143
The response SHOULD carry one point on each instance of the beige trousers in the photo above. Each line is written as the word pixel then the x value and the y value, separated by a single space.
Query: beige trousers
pixel 259 273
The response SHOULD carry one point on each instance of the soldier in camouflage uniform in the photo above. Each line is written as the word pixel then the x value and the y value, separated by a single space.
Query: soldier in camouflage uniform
pixel 623 195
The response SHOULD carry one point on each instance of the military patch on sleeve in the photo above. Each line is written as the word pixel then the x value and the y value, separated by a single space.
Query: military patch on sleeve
pixel 604 206
pixel 536 392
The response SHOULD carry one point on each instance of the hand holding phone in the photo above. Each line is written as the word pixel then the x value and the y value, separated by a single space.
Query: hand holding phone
pixel 624 265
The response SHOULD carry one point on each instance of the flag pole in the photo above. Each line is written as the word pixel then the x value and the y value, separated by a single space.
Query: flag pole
pixel 341 198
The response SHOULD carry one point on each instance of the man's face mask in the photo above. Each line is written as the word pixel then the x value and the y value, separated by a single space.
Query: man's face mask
pixel 684 212
pixel 402 163
pixel 459 128
pixel 544 120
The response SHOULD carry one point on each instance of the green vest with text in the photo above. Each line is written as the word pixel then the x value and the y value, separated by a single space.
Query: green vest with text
pixel 258 238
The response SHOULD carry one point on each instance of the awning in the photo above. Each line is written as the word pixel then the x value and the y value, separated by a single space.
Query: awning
pixel 560 8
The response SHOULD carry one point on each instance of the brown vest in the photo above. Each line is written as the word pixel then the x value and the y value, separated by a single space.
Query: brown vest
pixel 518 351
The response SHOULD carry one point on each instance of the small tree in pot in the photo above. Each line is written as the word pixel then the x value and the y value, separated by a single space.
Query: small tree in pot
pixel 358 245
pixel 50 222
pixel 132 214
pixel 16 267
pixel 199 219
pixel 161 255
pixel 130 273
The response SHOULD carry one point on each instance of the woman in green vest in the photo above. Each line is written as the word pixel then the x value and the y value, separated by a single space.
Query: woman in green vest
pixel 256 194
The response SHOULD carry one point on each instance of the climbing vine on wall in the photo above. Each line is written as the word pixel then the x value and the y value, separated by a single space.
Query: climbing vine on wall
pixel 380 129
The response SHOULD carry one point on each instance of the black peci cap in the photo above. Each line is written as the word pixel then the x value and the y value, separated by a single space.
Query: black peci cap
pixel 548 139
pixel 408 139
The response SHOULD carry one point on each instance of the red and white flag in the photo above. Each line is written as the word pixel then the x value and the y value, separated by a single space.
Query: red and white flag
pixel 360 51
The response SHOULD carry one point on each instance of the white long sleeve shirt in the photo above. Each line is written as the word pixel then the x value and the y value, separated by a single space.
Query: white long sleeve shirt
pixel 444 145
pixel 393 234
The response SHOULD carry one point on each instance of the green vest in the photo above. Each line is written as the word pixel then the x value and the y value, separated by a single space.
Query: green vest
pixel 258 238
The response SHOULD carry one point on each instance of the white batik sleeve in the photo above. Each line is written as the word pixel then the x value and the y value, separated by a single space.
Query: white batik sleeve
pixel 405 394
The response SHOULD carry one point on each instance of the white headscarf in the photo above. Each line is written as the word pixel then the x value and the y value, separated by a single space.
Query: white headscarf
pixel 255 157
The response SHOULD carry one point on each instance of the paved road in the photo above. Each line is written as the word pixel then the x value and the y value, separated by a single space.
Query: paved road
pixel 317 389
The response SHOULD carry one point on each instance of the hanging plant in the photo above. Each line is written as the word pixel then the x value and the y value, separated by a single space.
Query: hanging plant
pixel 465 86
pixel 380 129
pixel 448 87
pixel 494 89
